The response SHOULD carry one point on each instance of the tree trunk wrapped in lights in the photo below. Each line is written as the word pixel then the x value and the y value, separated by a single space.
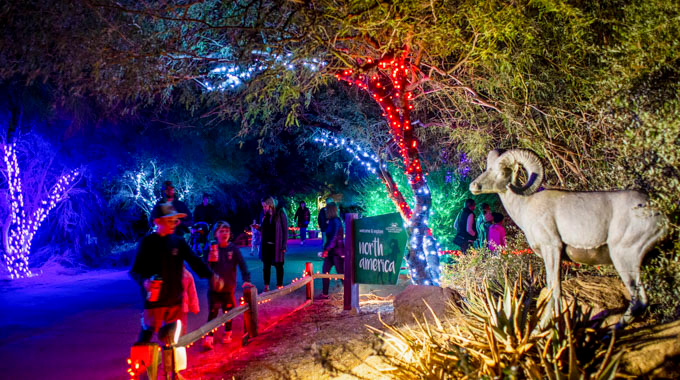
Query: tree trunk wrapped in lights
pixel 387 82
pixel 19 232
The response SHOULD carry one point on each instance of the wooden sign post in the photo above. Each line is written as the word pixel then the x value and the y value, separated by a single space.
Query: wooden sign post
pixel 351 288
pixel 250 318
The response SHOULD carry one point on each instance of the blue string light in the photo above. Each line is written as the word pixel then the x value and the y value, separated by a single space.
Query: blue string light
pixel 363 156
pixel 230 77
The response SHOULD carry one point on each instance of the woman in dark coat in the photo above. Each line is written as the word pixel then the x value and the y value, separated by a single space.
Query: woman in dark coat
pixel 274 229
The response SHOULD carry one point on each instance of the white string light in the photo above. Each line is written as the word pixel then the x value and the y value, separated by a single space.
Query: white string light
pixel 23 228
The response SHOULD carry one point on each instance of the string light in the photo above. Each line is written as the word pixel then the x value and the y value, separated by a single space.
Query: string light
pixel 230 77
pixel 23 227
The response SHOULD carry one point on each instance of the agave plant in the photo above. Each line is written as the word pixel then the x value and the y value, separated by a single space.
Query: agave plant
pixel 579 347
pixel 498 336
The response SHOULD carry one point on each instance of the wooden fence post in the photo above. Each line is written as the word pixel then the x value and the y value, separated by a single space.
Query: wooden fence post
pixel 250 316
pixel 351 299
pixel 309 268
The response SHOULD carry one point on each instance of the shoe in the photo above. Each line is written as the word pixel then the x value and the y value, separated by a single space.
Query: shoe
pixel 227 337
pixel 279 287
pixel 208 342
pixel 324 296
pixel 266 288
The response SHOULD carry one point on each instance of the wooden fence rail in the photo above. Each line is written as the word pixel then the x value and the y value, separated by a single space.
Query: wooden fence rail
pixel 251 306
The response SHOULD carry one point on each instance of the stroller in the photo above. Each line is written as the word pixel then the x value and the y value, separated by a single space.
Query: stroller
pixel 199 238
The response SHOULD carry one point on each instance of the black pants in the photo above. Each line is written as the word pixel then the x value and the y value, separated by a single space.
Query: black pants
pixel 328 262
pixel 268 256
pixel 223 300
pixel 463 243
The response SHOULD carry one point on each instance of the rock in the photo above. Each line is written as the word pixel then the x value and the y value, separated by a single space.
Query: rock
pixel 411 302
pixel 652 352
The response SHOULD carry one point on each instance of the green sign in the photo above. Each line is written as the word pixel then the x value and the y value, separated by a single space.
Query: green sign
pixel 379 243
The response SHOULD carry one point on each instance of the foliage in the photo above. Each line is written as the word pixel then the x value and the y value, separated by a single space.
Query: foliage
pixel 545 75
pixel 663 272
pixel 492 336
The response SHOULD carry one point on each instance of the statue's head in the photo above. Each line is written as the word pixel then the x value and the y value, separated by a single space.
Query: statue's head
pixel 502 173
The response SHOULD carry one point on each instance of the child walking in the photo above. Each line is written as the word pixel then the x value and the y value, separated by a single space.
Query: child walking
pixel 256 239
pixel 223 259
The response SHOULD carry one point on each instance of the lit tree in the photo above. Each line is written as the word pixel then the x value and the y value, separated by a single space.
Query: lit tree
pixel 25 221
pixel 423 257
pixel 142 185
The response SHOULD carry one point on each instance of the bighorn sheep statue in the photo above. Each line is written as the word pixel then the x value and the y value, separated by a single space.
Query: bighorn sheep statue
pixel 599 227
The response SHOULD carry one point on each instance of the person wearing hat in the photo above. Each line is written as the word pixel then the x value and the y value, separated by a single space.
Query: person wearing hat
pixel 322 220
pixel 168 195
pixel 158 269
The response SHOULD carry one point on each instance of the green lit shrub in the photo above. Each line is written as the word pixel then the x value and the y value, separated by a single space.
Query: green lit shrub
pixel 311 203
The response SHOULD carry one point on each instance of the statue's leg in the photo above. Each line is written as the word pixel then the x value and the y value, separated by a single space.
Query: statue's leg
pixel 551 259
pixel 627 265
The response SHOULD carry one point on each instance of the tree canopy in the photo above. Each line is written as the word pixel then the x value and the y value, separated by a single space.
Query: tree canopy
pixel 590 86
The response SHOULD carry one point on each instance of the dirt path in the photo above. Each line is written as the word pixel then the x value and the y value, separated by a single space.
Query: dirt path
pixel 296 346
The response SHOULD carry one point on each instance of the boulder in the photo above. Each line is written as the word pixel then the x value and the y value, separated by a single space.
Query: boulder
pixel 410 303
pixel 652 351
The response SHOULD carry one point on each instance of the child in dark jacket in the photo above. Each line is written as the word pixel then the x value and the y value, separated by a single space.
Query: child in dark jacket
pixel 223 259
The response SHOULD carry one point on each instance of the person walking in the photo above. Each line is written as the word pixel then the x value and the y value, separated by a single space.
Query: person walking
pixel 205 212
pixel 168 196
pixel 302 217
pixel 334 249
pixel 256 238
pixel 483 222
pixel 158 269
pixel 223 259
pixel 205 215
pixel 274 229
pixel 322 220
pixel 466 231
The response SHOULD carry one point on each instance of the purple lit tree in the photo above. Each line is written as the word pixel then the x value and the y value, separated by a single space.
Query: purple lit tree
pixel 26 217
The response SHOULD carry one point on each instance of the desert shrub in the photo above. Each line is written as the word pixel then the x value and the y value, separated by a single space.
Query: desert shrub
pixel 474 268
pixel 661 274
pixel 491 336
pixel 517 263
